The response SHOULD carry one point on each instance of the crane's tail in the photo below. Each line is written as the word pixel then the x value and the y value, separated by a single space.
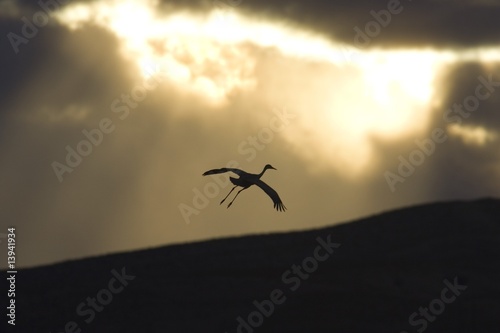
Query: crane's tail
pixel 215 171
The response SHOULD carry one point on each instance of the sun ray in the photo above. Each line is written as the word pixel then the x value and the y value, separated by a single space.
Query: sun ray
pixel 378 92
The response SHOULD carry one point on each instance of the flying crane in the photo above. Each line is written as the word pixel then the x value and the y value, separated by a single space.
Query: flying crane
pixel 248 179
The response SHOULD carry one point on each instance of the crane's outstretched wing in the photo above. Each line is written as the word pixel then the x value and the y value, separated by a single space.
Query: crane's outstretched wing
pixel 278 204
pixel 222 170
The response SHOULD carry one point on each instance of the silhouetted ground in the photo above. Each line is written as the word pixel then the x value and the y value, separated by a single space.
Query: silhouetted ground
pixel 386 268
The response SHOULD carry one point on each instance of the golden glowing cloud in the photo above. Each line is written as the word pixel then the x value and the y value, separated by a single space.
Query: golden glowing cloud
pixel 384 93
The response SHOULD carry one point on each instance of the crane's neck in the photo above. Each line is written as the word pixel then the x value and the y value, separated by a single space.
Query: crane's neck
pixel 262 173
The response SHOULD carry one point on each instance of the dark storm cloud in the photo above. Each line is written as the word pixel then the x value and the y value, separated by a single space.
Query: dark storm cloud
pixel 412 23
pixel 70 69
pixel 462 169
pixel 17 68
pixel 462 81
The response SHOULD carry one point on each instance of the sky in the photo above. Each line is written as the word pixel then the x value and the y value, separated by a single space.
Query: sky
pixel 112 110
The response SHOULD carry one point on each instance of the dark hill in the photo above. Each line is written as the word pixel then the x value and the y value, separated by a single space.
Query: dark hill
pixel 438 264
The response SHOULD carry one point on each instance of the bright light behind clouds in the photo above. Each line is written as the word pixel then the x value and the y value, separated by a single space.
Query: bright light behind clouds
pixel 376 92
pixel 472 135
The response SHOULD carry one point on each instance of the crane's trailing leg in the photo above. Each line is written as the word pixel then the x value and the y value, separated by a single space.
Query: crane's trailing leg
pixel 235 197
pixel 227 195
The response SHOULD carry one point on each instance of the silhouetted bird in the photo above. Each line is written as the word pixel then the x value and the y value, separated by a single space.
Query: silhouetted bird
pixel 248 179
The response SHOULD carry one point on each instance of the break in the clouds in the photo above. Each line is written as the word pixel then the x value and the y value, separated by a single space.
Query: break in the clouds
pixel 113 110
